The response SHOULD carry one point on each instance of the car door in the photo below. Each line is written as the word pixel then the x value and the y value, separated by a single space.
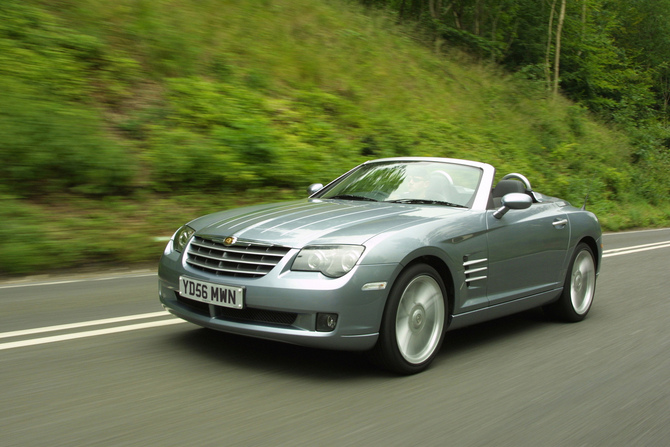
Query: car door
pixel 527 250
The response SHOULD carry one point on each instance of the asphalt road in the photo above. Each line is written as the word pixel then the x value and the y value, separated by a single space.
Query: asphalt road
pixel 93 360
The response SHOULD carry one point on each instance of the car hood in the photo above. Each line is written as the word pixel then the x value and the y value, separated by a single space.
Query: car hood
pixel 313 221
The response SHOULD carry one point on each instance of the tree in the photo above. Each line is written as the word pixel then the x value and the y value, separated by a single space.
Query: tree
pixel 644 35
pixel 610 55
pixel 557 53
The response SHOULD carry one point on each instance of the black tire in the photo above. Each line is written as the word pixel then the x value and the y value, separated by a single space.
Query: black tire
pixel 579 287
pixel 414 321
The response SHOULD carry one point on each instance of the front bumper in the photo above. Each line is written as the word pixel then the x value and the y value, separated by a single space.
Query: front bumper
pixel 289 301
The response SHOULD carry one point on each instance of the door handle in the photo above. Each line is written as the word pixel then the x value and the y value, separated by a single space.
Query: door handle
pixel 560 223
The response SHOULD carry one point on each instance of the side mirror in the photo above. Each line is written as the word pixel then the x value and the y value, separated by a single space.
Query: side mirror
pixel 513 201
pixel 314 188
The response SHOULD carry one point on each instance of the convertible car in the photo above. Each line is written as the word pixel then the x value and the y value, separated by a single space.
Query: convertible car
pixel 386 258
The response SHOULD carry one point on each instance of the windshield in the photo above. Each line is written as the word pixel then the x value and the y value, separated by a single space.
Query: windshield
pixel 422 182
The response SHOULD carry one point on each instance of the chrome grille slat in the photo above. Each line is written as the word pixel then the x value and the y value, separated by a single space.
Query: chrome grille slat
pixel 231 270
pixel 249 249
pixel 242 259
pixel 239 260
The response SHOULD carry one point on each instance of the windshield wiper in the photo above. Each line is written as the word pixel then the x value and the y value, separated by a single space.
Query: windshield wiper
pixel 426 202
pixel 352 197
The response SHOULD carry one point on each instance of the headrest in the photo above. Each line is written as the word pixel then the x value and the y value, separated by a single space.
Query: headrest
pixel 507 186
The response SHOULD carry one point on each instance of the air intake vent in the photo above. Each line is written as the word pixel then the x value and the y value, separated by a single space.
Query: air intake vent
pixel 475 270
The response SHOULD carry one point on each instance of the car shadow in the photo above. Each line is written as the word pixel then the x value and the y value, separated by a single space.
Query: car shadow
pixel 249 353
pixel 501 329
pixel 253 354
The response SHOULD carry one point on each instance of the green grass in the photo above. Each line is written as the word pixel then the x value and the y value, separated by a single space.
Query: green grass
pixel 124 120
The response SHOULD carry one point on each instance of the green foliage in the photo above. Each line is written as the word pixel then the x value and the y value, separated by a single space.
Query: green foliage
pixel 224 136
pixel 472 43
pixel 50 146
pixel 188 107
pixel 52 139
pixel 22 241
pixel 613 54
pixel 652 164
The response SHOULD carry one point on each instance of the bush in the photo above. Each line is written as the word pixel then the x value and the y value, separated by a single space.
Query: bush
pixel 50 146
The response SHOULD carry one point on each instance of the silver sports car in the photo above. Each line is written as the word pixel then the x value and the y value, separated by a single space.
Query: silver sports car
pixel 387 258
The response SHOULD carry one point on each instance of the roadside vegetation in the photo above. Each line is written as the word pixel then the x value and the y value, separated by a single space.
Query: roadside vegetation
pixel 121 121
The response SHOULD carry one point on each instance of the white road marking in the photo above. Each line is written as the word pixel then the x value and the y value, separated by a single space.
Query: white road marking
pixel 75 335
pixel 635 249
pixel 62 327
pixel 73 281
pixel 623 233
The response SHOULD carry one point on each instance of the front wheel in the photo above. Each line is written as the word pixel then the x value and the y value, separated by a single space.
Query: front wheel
pixel 413 323
pixel 579 288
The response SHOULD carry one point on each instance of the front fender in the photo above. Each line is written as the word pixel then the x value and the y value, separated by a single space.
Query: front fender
pixel 447 246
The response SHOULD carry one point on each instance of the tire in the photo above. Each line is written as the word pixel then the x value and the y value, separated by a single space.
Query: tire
pixel 413 324
pixel 579 288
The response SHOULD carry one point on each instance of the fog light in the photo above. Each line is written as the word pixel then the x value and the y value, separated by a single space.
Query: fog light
pixel 326 322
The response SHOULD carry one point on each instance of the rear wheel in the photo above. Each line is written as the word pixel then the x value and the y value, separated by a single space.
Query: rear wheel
pixel 414 319
pixel 579 288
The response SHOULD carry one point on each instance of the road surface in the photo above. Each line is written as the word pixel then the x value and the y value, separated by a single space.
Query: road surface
pixel 93 360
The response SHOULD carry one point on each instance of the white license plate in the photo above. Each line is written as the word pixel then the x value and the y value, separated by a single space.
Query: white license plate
pixel 207 292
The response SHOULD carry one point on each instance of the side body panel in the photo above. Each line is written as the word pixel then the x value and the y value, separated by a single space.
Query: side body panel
pixel 583 226
pixel 527 252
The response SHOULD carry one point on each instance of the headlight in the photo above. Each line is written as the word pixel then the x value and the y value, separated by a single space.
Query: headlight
pixel 331 260
pixel 181 237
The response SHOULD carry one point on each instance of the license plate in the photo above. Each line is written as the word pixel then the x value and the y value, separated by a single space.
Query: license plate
pixel 206 292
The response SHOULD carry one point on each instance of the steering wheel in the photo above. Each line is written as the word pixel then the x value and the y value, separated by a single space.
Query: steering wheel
pixel 523 179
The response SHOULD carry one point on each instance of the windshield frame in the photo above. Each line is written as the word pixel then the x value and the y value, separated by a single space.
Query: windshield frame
pixel 472 184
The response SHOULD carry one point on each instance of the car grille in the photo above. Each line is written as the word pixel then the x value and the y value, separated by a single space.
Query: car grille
pixel 242 259
pixel 246 314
